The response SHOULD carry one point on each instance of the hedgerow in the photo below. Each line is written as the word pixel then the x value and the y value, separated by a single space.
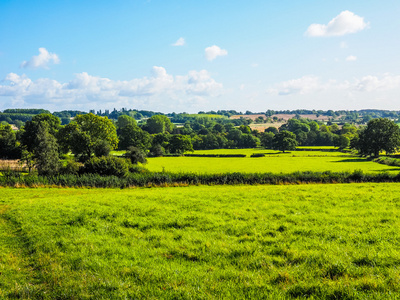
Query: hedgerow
pixel 143 179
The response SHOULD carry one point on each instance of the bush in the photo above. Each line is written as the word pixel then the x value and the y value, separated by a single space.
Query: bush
pixel 257 155
pixel 102 148
pixel 157 151
pixel 136 155
pixel 71 167
pixel 106 166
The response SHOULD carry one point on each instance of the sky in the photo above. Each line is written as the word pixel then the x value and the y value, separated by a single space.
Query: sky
pixel 190 55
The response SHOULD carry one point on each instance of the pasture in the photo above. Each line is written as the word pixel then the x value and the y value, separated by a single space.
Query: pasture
pixel 274 161
pixel 261 242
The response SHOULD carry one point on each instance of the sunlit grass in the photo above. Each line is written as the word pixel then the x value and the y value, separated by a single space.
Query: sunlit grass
pixel 266 242
pixel 274 161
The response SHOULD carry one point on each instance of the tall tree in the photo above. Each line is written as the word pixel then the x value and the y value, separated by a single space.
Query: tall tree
pixel 8 142
pixel 285 140
pixel 86 132
pixel 380 135
pixel 46 152
pixel 30 131
pixel 180 143
pixel 159 124
pixel 131 135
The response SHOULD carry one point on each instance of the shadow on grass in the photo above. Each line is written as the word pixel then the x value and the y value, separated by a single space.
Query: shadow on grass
pixel 356 160
pixel 387 170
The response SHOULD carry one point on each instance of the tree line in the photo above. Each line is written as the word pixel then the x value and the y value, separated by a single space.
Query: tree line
pixel 43 140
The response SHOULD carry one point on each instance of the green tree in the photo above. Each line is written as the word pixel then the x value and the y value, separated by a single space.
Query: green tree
pixel 180 143
pixel 159 124
pixel 267 139
pixel 341 141
pixel 27 159
pixel 274 130
pixel 125 120
pixel 136 155
pixel 285 140
pixel 8 143
pixel 86 132
pixel 46 152
pixel 131 135
pixel 30 131
pixel 380 135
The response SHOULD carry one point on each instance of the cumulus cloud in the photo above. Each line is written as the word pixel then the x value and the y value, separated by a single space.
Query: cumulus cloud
pixel 311 84
pixel 351 58
pixel 42 60
pixel 179 42
pixel 346 22
pixel 214 51
pixel 303 85
pixel 372 83
pixel 161 90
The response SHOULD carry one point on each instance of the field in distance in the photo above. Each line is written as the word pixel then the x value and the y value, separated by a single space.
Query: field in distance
pixel 245 242
pixel 274 161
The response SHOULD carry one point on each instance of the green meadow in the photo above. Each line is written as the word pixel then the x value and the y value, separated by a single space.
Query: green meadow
pixel 274 161
pixel 338 241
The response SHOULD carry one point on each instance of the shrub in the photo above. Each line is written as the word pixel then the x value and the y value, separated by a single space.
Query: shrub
pixel 106 166
pixel 136 155
pixel 257 155
pixel 157 151
pixel 71 167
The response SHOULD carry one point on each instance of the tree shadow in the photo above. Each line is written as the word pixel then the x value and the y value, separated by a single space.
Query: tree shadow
pixel 356 160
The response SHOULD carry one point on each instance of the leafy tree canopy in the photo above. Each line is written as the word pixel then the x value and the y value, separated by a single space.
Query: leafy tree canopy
pixel 379 135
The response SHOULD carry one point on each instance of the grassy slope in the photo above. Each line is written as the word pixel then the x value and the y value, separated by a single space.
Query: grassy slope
pixel 329 241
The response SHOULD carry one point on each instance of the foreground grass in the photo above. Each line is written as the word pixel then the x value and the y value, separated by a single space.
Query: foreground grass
pixel 322 241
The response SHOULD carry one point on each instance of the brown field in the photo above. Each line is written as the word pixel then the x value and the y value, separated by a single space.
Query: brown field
pixel 261 127
pixel 11 164
pixel 284 117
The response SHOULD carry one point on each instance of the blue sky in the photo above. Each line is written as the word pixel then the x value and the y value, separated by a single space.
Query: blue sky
pixel 188 55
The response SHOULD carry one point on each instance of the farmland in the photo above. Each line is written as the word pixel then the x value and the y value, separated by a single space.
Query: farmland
pixel 321 241
pixel 274 161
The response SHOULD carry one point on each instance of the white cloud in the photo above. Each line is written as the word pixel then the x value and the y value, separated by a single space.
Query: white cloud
pixel 254 65
pixel 346 22
pixel 214 51
pixel 179 42
pixel 344 45
pixel 42 60
pixel 371 83
pixel 351 58
pixel 311 84
pixel 159 91
pixel 303 85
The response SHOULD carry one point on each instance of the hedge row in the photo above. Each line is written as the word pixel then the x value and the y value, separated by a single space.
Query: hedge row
pixel 171 179
pixel 388 161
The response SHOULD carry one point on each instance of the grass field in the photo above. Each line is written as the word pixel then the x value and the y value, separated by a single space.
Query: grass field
pixel 243 242
pixel 326 151
pixel 275 162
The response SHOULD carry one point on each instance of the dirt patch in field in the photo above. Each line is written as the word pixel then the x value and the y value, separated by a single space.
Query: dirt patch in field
pixel 252 117
pixel 262 127
pixel 283 117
